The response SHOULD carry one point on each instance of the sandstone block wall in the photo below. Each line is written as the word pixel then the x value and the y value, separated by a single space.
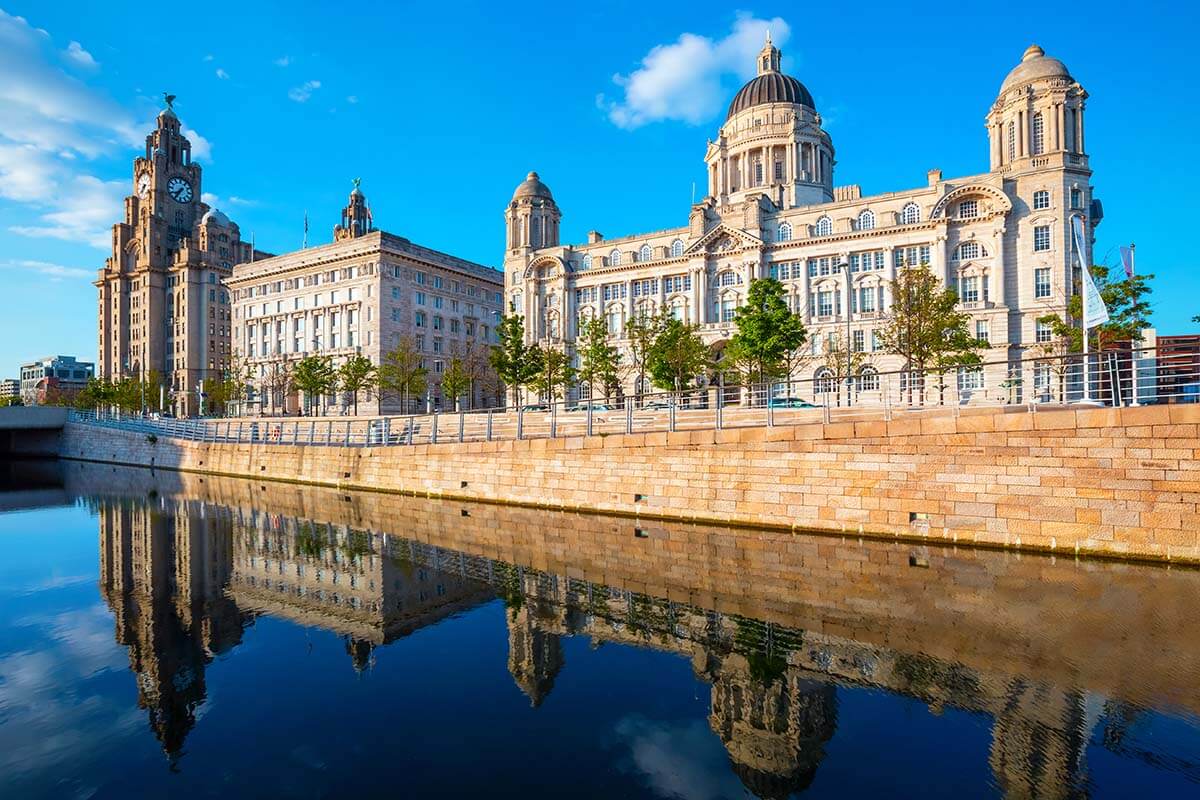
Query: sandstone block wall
pixel 1120 482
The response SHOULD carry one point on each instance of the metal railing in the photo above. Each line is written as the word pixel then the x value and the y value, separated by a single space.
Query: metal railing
pixel 1109 378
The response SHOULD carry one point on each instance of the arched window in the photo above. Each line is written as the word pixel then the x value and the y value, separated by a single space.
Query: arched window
pixel 824 226
pixel 868 379
pixel 677 248
pixel 866 220
pixel 785 232
pixel 729 304
pixel 587 261
pixel 645 309
pixel 969 250
pixel 1037 134
pixel 679 309
pixel 823 381
pixel 644 253
pixel 614 257
pixel 911 214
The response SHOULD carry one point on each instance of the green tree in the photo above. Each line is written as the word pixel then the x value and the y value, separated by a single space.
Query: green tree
pixel 455 382
pixel 315 376
pixel 768 333
pixel 357 374
pixel 641 331
pixel 403 373
pixel 515 362
pixel 1128 307
pixel 925 327
pixel 554 372
pixel 598 359
pixel 677 356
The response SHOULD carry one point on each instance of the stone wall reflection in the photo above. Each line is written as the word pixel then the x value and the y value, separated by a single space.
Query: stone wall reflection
pixel 184 577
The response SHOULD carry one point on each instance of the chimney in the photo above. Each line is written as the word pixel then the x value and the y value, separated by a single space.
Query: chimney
pixel 595 236
pixel 935 177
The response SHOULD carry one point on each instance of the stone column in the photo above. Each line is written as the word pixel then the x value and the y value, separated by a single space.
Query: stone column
pixel 999 269
pixel 1079 116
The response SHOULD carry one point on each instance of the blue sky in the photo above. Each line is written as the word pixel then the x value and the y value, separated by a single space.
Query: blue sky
pixel 443 109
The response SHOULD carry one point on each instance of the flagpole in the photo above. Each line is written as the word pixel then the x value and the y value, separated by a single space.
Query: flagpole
pixel 1087 382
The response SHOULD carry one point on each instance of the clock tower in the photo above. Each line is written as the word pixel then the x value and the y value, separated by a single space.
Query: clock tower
pixel 164 313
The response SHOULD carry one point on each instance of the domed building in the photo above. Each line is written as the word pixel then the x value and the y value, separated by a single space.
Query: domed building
pixel 1000 238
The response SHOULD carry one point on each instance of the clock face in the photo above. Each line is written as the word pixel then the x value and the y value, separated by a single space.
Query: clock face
pixel 180 190
pixel 143 185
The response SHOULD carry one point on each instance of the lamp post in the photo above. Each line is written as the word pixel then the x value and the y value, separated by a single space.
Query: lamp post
pixel 845 266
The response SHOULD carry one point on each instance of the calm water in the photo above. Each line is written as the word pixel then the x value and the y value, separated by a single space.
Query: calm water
pixel 167 635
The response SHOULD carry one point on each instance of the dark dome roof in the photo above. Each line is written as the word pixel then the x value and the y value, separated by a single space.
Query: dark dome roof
pixel 770 87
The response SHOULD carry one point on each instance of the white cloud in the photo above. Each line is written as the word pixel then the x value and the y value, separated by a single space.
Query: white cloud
pixel 209 57
pixel 283 61
pixel 84 209
pixel 684 80
pixel 352 99
pixel 201 147
pixel 55 272
pixel 77 54
pixel 679 759
pixel 304 91
pixel 234 200
pixel 49 123
pixel 210 199
pixel 222 74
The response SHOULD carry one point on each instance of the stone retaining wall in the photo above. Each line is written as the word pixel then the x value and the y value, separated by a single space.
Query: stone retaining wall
pixel 1114 482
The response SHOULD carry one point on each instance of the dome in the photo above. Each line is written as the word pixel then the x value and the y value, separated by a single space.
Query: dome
pixel 1034 64
pixel 770 87
pixel 532 186
pixel 214 216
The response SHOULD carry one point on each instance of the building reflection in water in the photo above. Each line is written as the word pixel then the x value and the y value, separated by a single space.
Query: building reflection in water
pixel 184 578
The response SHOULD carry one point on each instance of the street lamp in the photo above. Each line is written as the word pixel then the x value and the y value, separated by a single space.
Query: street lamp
pixel 845 267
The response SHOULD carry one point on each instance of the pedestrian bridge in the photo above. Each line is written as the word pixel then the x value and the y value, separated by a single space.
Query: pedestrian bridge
pixel 31 430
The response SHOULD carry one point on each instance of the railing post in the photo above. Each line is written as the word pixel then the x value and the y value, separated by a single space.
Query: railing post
pixel 462 422
pixel 589 416
pixel 720 404
pixel 553 418
pixel 433 429
pixel 348 424
pixel 628 414
pixel 312 431
pixel 671 415
pixel 239 431
pixel 328 432
pixel 521 422
pixel 770 408
pixel 489 425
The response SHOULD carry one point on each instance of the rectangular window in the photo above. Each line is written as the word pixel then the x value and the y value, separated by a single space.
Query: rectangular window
pixel 1041 282
pixel 981 331
pixel 437 301
pixel 1043 333
pixel 825 304
pixel 1041 200
pixel 1076 199
pixel 968 209
pixel 419 297
pixel 970 289
pixel 419 320
pixel 866 299
pixel 859 341
pixel 421 278
pixel 876 341
pixel 1041 238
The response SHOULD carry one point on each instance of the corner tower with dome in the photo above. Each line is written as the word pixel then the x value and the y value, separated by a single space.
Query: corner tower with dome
pixel 1001 237
pixel 164 313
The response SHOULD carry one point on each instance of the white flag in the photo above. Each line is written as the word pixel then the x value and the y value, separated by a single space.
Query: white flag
pixel 1094 311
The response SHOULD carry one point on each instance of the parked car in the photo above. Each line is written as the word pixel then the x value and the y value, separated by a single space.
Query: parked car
pixel 657 404
pixel 535 407
pixel 791 402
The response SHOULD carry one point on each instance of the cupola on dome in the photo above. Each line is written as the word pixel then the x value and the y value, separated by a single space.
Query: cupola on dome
pixel 532 186
pixel 214 216
pixel 1035 64
pixel 770 85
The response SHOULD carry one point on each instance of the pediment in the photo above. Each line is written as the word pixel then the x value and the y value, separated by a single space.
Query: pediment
pixel 724 239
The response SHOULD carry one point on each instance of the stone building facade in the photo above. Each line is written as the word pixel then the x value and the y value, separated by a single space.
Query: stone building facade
pixel 361 295
pixel 1001 237
pixel 163 311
